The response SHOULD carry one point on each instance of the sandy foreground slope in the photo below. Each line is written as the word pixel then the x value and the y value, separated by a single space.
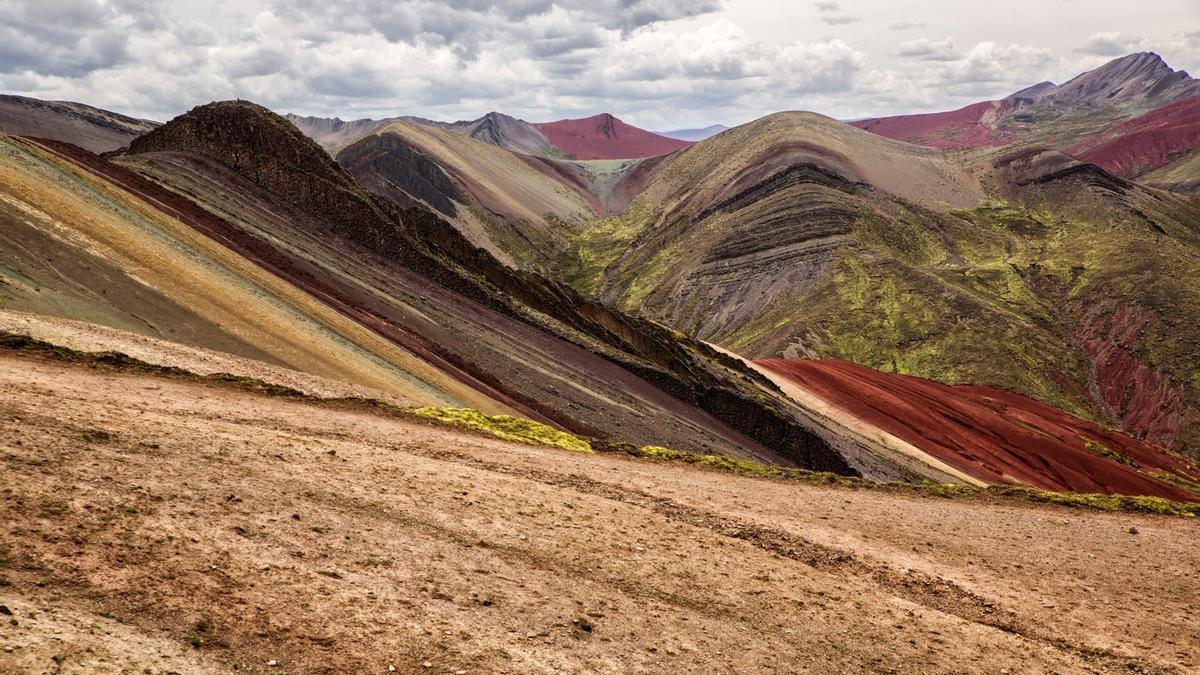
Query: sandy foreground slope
pixel 140 515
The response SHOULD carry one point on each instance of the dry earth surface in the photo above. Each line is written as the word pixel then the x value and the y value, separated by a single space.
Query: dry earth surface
pixel 155 524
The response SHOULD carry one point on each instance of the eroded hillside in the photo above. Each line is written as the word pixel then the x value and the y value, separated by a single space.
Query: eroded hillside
pixel 159 522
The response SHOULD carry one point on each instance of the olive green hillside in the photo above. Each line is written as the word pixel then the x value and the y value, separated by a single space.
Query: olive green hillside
pixel 799 236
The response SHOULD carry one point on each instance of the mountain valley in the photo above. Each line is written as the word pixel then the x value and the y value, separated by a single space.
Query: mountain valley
pixel 289 393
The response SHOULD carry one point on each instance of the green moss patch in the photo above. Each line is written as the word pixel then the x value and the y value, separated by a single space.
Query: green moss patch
pixel 1112 503
pixel 528 432
pixel 505 427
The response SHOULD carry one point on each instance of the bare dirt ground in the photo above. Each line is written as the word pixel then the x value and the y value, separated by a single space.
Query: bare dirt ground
pixel 90 337
pixel 151 524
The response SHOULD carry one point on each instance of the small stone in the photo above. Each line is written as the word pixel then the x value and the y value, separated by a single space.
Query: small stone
pixel 8 650
pixel 5 610
pixel 427 664
pixel 460 672
pixel 391 668
pixel 272 662
pixel 1133 530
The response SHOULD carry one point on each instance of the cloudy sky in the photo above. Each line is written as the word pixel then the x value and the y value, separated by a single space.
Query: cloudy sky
pixel 656 63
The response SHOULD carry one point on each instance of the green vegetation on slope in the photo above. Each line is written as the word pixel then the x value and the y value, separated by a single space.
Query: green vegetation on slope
pixel 528 432
pixel 1026 290
pixel 505 427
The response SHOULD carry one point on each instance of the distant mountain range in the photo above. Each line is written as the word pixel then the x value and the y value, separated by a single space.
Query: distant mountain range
pixel 590 138
pixel 1135 116
pixel 694 135
pixel 1044 244
pixel 89 128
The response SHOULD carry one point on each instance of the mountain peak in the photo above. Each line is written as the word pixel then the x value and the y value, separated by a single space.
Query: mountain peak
pixel 268 150
pixel 1142 79
pixel 604 136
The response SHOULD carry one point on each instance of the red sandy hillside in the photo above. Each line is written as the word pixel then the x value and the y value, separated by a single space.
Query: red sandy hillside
pixel 963 128
pixel 994 435
pixel 606 137
pixel 1147 142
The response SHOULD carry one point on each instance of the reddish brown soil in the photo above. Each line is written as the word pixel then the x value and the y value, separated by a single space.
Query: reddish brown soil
pixel 994 435
pixel 1142 400
pixel 962 128
pixel 151 524
pixel 1147 142
pixel 606 137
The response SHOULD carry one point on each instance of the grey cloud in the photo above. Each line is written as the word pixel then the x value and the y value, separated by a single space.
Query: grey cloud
pixel 357 81
pixel 630 14
pixel 257 62
pixel 826 6
pixel 556 46
pixel 58 37
pixel 906 25
pixel 840 20
pixel 929 50
pixel 1110 44
pixel 70 56
pixel 146 14
pixel 988 62
pixel 473 20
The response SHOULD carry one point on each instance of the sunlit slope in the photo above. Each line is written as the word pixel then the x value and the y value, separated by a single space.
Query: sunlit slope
pixel 79 246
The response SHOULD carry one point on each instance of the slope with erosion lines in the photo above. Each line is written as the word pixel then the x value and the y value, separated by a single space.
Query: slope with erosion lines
pixel 1167 136
pixel 995 435
pixel 521 208
pixel 518 207
pixel 107 248
pixel 1122 263
pixel 759 211
pixel 506 132
pixel 531 372
pixel 90 128
pixel 797 236
pixel 583 365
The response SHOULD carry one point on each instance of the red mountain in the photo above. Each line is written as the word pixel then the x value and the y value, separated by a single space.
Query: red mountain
pixel 1128 86
pixel 967 127
pixel 606 137
pixel 994 435
pixel 1145 143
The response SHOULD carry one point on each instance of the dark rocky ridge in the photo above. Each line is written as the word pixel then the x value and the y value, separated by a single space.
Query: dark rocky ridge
pixel 394 169
pixel 1142 78
pixel 276 156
